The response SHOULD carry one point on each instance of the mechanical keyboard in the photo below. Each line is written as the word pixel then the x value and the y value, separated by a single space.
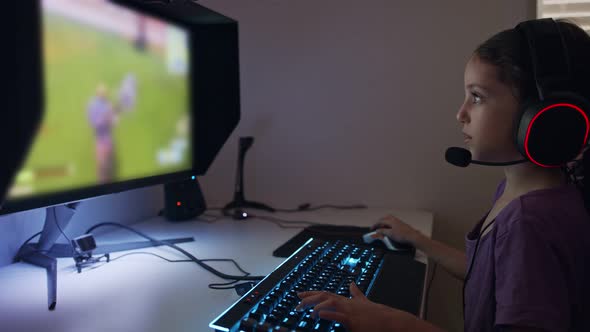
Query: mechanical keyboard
pixel 318 265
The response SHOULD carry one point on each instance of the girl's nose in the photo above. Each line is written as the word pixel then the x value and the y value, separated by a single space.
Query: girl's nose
pixel 462 115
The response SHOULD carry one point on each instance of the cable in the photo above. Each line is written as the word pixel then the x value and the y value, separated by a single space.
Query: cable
pixel 17 257
pixel 268 218
pixel 308 207
pixel 184 260
pixel 299 224
pixel 224 285
pixel 39 233
pixel 279 222
pixel 150 253
pixel 426 296
pixel 212 285
pixel 468 274
pixel 62 232
pixel 186 253
pixel 27 241
pixel 276 221
pixel 332 232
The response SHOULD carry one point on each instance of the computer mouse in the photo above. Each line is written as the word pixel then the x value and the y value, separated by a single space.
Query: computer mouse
pixel 389 243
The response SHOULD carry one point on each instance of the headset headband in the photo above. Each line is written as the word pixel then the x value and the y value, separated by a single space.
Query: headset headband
pixel 549 56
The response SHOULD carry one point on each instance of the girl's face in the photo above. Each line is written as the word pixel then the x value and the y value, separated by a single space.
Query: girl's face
pixel 488 113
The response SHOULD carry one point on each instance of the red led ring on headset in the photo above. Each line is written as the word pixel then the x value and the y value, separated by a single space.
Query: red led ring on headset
pixel 526 140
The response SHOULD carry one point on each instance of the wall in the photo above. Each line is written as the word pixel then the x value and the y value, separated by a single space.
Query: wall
pixel 355 101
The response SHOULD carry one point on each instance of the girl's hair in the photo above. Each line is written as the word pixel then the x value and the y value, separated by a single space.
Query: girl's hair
pixel 508 51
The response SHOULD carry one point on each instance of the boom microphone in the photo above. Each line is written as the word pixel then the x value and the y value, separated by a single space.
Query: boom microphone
pixel 462 157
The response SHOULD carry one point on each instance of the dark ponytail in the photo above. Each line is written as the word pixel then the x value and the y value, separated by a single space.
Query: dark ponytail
pixel 508 51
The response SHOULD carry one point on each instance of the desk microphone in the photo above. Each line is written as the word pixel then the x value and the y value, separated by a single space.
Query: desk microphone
pixel 462 157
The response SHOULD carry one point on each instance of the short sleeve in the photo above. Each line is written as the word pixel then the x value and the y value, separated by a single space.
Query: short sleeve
pixel 531 290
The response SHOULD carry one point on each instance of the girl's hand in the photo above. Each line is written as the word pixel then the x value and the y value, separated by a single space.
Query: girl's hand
pixel 397 230
pixel 357 314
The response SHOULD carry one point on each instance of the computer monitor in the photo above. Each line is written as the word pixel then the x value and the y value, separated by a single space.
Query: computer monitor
pixel 117 102
pixel 136 93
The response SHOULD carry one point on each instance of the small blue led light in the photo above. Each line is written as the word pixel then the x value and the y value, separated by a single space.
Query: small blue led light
pixel 193 177
pixel 353 261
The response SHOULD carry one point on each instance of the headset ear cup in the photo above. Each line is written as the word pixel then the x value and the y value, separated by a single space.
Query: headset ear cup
pixel 556 130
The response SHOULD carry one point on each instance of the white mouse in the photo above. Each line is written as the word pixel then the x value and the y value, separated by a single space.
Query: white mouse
pixel 389 244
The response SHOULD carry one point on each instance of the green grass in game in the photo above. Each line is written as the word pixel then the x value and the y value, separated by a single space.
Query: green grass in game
pixel 77 59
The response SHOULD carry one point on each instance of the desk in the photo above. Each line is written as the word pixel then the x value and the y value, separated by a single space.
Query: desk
pixel 145 293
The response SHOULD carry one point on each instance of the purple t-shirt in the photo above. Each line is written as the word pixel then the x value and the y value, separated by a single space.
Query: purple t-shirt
pixel 533 268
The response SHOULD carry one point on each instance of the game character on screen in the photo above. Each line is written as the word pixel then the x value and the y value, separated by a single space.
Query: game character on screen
pixel 102 118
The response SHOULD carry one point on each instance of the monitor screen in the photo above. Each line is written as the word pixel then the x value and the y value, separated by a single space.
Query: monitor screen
pixel 117 106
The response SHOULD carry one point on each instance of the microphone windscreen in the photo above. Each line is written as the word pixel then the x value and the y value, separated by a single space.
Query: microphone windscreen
pixel 458 156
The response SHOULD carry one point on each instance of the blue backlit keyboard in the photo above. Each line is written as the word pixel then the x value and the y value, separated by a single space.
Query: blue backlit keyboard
pixel 317 265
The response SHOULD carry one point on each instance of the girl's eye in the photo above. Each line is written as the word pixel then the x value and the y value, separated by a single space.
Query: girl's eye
pixel 476 98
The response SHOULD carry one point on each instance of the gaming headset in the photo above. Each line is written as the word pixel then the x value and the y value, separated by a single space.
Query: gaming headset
pixel 553 129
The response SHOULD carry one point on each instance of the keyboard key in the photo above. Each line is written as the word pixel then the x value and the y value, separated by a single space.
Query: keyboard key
pixel 322 325
pixel 248 324
pixel 266 327
pixel 272 319
pixel 256 315
pixel 338 328
pixel 289 322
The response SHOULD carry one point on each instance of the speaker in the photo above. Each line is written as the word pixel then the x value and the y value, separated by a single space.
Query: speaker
pixel 183 200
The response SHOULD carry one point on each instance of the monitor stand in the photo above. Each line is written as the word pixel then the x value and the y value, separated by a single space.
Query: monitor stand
pixel 45 252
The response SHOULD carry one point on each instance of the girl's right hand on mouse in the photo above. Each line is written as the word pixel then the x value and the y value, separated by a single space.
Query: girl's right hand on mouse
pixel 397 230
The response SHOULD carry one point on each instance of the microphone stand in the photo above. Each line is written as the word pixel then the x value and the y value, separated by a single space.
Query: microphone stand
pixel 239 200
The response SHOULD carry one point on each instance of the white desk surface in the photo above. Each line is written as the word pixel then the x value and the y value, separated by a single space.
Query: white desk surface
pixel 145 293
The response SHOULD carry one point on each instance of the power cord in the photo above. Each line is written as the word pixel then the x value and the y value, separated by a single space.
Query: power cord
pixel 152 254
pixel 279 222
pixel 186 253
pixel 24 244
pixel 227 285
pixel 62 232
pixel 39 233
pixel 309 207
pixel 290 224
pixel 212 285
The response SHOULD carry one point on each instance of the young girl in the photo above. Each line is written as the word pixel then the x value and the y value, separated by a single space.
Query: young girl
pixel 531 270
